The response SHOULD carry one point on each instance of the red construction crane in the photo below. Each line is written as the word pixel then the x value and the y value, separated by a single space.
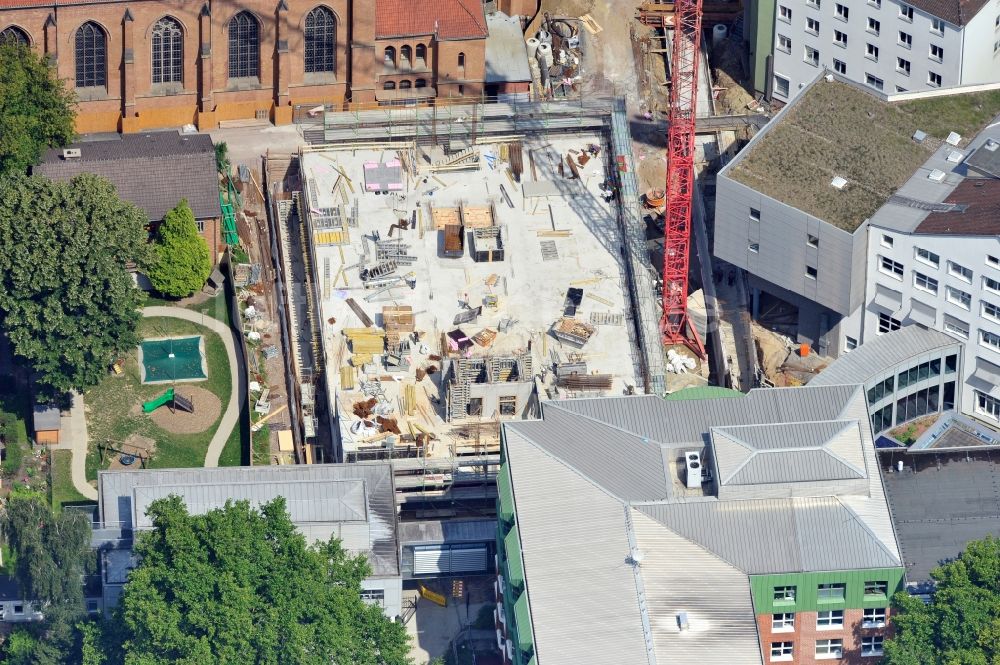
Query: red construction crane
pixel 675 325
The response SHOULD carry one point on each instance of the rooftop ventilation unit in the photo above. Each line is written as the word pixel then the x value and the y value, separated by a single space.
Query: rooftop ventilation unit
pixel 71 153
pixel 694 471
pixel 955 156
pixel 953 138
pixel 919 136
pixel 937 175
pixel 838 182
pixel 682 621
pixel 991 145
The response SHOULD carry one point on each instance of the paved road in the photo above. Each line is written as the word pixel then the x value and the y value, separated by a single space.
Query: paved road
pixel 231 416
pixel 73 437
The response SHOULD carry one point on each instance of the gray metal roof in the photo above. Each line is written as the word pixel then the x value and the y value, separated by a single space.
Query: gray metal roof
pixel 575 476
pixel 447 531
pixel 506 55
pixel 45 418
pixel 625 465
pixel 355 502
pixel 765 536
pixel 154 170
pixel 884 352
pixel 788 452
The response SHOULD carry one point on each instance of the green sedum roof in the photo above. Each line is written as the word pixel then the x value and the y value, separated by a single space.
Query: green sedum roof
pixel 702 392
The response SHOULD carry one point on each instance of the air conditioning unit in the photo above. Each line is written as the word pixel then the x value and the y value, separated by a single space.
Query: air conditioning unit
pixel 694 472
pixel 71 153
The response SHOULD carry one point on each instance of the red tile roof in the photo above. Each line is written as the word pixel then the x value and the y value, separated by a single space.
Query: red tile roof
pixel 23 4
pixel 982 217
pixel 448 19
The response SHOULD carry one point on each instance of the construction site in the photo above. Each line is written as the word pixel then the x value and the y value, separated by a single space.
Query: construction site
pixel 460 265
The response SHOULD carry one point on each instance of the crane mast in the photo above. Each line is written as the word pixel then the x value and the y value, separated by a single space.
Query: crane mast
pixel 676 326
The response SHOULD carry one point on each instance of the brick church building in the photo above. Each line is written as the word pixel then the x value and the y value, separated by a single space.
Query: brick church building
pixel 145 64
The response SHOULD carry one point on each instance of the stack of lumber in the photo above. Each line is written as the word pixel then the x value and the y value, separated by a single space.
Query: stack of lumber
pixel 398 322
pixel 365 343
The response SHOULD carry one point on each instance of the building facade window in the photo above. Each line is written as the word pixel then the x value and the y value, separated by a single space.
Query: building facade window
pixel 925 283
pixel 91 56
pixel 956 327
pixel 879 588
pixel 873 617
pixel 936 53
pixel 958 297
pixel 389 85
pixel 989 340
pixel 781 87
pixel 755 214
pixel 754 247
pixel 937 27
pixel 421 55
pixel 812 26
pixel 420 83
pixel 874 26
pixel 784 44
pixel 829 649
pixel 916 374
pixel 783 623
pixel 882 419
pixel 405 85
pixel 244 47
pixel 840 67
pixel 840 38
pixel 960 271
pixel 168 51
pixel 782 651
pixel 461 62
pixel 887 324
pixel 320 41
pixel 887 240
pixel 871 52
pixel 389 57
pixel 934 79
pixel 880 390
pixel 874 82
pixel 890 267
pixel 927 256
pixel 842 12
pixel 811 272
pixel 830 592
pixel 991 285
pixel 987 406
pixel 871 645
pixel 405 56
pixel 784 594
pixel 991 311
pixel 829 619
pixel 916 404
pixel 14 34
pixel 903 66
pixel 992 261
pixel 906 12
pixel 784 13
pixel 850 343
pixel 811 56
pixel 905 39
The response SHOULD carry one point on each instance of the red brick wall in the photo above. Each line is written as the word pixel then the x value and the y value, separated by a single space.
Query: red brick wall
pixel 806 633
pixel 212 234
pixel 206 96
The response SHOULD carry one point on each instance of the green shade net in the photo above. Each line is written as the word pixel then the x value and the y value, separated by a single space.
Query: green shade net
pixel 172 360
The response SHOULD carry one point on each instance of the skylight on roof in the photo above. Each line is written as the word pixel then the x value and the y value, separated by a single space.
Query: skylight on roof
pixel 955 156
pixel 953 138
pixel 937 175
pixel 838 182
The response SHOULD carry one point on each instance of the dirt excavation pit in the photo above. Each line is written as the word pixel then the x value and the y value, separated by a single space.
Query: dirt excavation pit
pixel 207 408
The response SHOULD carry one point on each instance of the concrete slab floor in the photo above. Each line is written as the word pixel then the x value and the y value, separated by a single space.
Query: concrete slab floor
pixel 530 283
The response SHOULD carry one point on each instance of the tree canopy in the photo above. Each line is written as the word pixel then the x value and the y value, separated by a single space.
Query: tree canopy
pixel 181 261
pixel 67 302
pixel 240 585
pixel 961 625
pixel 51 554
pixel 36 108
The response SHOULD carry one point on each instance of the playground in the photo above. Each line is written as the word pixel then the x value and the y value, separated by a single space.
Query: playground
pixel 149 414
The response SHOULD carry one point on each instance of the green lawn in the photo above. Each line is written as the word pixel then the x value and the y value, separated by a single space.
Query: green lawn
pixel 114 406
pixel 217 307
pixel 15 409
pixel 232 454
pixel 61 481
pixel 261 446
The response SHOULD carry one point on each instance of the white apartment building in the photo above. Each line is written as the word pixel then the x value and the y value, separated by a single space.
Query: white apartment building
pixel 868 213
pixel 889 45
pixel 944 273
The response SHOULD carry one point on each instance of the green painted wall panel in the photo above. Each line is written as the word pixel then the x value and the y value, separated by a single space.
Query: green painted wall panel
pixel 759 31
pixel 505 494
pixel 807 585
pixel 522 619
pixel 512 548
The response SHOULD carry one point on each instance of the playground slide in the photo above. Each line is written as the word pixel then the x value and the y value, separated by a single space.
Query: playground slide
pixel 154 404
